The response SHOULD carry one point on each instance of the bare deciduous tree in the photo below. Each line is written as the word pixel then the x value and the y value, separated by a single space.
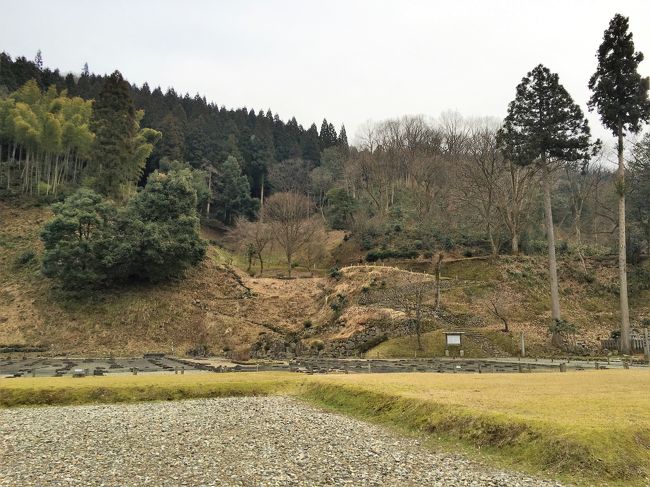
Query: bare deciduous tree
pixel 254 237
pixel 288 216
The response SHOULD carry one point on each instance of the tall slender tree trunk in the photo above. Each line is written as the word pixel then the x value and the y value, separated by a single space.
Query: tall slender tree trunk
pixel 259 256
pixel 550 236
pixel 262 195
pixel 437 271
pixel 622 258
pixel 207 205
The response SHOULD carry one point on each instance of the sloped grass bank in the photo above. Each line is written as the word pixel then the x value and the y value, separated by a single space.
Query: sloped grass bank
pixel 585 428
pixel 590 428
pixel 128 389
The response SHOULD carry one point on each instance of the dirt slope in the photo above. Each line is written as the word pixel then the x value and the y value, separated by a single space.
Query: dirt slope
pixel 215 306
pixel 221 309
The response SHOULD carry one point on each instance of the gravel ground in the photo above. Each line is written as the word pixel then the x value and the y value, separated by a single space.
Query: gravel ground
pixel 272 441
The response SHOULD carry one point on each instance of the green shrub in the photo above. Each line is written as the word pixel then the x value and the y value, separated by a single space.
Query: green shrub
pixel 92 243
pixel 25 258
pixel 562 327
pixel 375 255
pixel 335 273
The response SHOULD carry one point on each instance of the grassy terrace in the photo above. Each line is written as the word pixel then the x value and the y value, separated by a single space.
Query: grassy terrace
pixel 586 427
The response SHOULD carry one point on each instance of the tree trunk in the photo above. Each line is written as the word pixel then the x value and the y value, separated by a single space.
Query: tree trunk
pixel 418 320
pixel 622 264
pixel 550 236
pixel 262 196
pixel 289 264
pixel 515 243
pixel 207 205
pixel 493 244
pixel 438 266
pixel 259 256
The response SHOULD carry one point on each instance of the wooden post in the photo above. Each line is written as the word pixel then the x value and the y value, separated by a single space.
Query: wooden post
pixel 522 345
pixel 182 369
pixel 646 336
pixel 562 367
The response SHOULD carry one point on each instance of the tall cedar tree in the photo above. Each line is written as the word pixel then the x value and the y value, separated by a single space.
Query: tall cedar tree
pixel 545 127
pixel 343 141
pixel 114 123
pixel 620 95
pixel 233 193
pixel 310 145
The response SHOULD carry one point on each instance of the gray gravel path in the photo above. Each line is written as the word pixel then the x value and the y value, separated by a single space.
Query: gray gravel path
pixel 272 441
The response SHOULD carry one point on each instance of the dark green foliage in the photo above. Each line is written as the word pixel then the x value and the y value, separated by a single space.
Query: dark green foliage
pixel 340 208
pixel 620 94
pixel 640 188
pixel 25 258
pixel 311 145
pixel 193 129
pixel 92 243
pixel 335 273
pixel 561 327
pixel 79 225
pixel 376 255
pixel 543 123
pixel 113 122
pixel 327 137
pixel 343 141
pixel 232 193
pixel 172 144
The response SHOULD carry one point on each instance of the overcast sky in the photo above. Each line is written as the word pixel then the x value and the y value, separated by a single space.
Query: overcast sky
pixel 348 61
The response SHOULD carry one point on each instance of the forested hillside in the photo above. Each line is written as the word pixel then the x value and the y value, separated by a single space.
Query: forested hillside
pixel 195 130
pixel 151 194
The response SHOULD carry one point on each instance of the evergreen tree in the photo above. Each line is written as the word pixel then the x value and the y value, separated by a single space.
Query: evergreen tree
pixel 114 123
pixel 38 60
pixel 71 238
pixel 620 95
pixel 640 187
pixel 161 229
pixel 327 137
pixel 545 127
pixel 323 137
pixel 343 141
pixel 232 193
pixel 172 144
pixel 310 145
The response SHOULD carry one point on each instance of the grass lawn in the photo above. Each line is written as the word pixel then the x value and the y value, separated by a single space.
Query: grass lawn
pixel 433 345
pixel 585 427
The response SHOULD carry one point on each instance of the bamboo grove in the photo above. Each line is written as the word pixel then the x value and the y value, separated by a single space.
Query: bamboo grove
pixel 45 141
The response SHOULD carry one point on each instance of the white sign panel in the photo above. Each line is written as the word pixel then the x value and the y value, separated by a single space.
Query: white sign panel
pixel 453 339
